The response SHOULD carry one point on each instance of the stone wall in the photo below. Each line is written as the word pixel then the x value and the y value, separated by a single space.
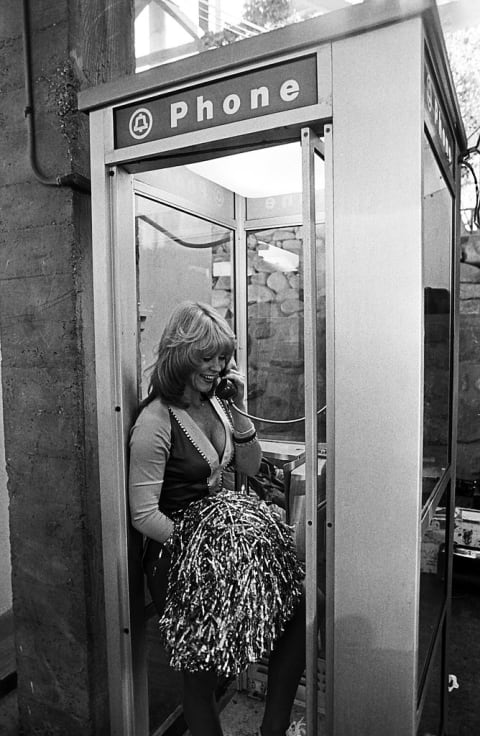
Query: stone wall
pixel 276 328
pixel 275 310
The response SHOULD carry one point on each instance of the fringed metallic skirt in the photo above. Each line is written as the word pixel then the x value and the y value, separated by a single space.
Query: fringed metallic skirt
pixel 234 583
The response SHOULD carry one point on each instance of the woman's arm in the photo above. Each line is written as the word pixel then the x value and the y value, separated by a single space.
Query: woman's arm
pixel 149 450
pixel 248 453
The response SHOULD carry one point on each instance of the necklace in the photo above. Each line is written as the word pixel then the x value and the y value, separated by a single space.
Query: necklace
pixel 201 404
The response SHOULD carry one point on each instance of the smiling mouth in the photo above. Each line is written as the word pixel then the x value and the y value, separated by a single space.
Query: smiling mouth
pixel 208 378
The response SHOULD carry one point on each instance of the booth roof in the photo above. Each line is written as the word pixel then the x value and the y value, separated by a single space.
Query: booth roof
pixel 271 45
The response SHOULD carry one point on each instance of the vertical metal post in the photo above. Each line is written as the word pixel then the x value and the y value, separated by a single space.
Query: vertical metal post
pixel 310 145
pixel 240 282
pixel 126 310
pixel 110 446
pixel 122 239
pixel 330 338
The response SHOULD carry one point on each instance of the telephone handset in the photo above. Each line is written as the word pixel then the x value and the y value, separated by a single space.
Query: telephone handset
pixel 226 389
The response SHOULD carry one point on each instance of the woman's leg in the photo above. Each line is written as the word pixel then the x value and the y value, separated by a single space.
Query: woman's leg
pixel 199 706
pixel 285 668
pixel 156 565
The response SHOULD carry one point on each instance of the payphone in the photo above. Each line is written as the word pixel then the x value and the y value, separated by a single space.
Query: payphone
pixel 304 182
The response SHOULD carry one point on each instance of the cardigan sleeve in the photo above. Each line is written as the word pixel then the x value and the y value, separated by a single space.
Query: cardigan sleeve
pixel 149 450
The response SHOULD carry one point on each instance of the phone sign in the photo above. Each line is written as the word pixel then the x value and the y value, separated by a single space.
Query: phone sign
pixel 285 86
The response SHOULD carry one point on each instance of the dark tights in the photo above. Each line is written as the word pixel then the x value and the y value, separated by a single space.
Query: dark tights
pixel 286 665
pixel 285 668
pixel 199 706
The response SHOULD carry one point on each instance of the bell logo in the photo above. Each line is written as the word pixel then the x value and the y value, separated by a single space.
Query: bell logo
pixel 140 123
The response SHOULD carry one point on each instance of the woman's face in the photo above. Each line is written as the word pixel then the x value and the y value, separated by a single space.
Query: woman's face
pixel 205 376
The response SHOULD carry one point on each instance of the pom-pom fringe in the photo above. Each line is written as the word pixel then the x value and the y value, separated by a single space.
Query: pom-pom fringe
pixel 234 583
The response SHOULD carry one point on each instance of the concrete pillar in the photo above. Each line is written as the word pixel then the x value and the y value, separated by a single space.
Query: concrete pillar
pixel 46 335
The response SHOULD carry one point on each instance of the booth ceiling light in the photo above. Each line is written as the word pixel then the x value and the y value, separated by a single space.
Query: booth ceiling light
pixel 261 173
pixel 279 258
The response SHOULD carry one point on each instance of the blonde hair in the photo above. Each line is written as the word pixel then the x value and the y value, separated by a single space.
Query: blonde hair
pixel 193 330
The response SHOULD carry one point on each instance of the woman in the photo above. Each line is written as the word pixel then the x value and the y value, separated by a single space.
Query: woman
pixel 185 446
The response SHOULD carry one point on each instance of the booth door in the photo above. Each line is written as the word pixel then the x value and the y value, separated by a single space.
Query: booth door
pixel 258 256
pixel 180 256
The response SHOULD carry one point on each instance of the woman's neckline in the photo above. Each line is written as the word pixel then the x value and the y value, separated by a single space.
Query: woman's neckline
pixel 202 403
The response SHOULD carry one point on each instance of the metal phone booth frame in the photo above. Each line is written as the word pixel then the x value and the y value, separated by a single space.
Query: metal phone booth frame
pixel 381 93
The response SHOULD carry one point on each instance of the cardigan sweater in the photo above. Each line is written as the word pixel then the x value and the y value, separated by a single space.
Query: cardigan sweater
pixel 173 463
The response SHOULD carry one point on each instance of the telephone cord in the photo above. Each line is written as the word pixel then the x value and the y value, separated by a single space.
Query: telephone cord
pixel 273 421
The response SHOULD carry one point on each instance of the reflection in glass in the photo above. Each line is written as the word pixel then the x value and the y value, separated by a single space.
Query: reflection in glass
pixel 431 719
pixel 180 257
pixel 437 255
pixel 275 329
pixel 432 579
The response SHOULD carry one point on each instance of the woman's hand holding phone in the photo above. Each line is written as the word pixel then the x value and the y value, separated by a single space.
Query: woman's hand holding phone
pixel 231 386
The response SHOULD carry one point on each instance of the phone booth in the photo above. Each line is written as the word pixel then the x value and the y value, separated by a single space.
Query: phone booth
pixel 306 183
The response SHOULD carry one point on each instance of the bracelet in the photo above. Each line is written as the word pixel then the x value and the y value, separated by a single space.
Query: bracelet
pixel 245 433
pixel 252 437
pixel 246 443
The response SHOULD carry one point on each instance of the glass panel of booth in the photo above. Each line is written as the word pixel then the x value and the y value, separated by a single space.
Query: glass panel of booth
pixel 437 268
pixel 175 246
pixel 180 255
pixel 433 578
pixel 432 701
pixel 181 232
pixel 275 328
pixel 438 204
